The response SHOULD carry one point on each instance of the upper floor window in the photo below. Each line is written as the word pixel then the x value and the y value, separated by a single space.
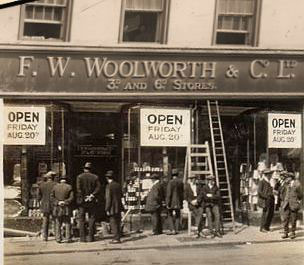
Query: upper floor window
pixel 144 20
pixel 236 22
pixel 45 20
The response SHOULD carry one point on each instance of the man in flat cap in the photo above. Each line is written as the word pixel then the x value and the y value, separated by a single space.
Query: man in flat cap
pixel 210 197
pixel 154 201
pixel 62 197
pixel 88 186
pixel 174 202
pixel 291 194
pixel 266 200
pixel 46 205
pixel 114 205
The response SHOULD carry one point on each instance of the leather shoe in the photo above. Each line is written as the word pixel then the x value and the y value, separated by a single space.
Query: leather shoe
pixel 115 241
pixel 263 231
pixel 285 236
pixel 293 236
pixel 218 234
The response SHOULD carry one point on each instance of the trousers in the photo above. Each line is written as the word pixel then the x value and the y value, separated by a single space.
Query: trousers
pixel 60 220
pixel 213 216
pixel 174 219
pixel 90 231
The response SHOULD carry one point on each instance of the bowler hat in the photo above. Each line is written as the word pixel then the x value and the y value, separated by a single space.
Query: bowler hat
pixel 63 177
pixel 109 173
pixel 88 165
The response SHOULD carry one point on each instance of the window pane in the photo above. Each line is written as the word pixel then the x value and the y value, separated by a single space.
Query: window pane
pixel 140 26
pixel 230 38
pixel 58 14
pixel 236 6
pixel 38 12
pixel 144 4
pixel 48 13
pixel 43 30
pixel 29 12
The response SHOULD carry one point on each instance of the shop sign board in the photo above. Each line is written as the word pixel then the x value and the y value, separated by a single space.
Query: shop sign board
pixel 165 127
pixel 24 125
pixel 284 130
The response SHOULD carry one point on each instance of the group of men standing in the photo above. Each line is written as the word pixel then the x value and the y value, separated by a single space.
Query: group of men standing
pixel 290 193
pixel 56 201
pixel 202 199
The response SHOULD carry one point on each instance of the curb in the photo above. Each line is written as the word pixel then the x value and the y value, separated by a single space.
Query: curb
pixel 152 246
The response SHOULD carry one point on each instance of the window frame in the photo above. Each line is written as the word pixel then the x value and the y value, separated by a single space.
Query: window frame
pixel 161 27
pixel 255 30
pixel 65 32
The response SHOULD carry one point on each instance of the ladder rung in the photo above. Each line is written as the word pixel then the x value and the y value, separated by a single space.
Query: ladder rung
pixel 198 154
pixel 193 172
pixel 224 189
pixel 198 164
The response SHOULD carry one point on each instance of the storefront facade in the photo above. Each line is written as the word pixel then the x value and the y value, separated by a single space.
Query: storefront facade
pixel 89 102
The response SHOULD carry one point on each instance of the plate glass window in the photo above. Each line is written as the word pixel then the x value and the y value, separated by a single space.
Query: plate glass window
pixel 236 22
pixel 144 20
pixel 45 20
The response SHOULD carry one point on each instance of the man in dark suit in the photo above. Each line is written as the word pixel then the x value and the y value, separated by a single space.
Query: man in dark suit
pixel 46 205
pixel 114 206
pixel 88 187
pixel 291 194
pixel 154 204
pixel 174 202
pixel 62 197
pixel 210 194
pixel 266 200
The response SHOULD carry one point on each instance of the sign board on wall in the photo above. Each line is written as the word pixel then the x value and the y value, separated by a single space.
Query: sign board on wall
pixel 24 125
pixel 284 130
pixel 165 127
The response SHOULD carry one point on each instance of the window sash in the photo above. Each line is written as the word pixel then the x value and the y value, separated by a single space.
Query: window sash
pixel 145 5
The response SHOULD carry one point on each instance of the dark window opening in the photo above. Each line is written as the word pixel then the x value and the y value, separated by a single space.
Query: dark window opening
pixel 140 26
pixel 230 38
pixel 46 31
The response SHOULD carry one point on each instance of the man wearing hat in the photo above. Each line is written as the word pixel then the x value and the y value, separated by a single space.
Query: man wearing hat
pixel 210 194
pixel 46 206
pixel 291 194
pixel 114 206
pixel 88 187
pixel 266 200
pixel 62 197
pixel 174 202
pixel 154 203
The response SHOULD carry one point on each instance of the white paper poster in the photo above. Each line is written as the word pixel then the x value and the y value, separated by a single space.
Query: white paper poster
pixel 24 125
pixel 284 130
pixel 165 127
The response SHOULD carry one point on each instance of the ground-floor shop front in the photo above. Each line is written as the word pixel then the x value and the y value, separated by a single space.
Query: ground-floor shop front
pixel 137 114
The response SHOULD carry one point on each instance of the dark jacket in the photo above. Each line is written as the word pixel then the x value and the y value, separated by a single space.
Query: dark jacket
pixel 203 199
pixel 62 192
pixel 265 193
pixel 291 197
pixel 44 195
pixel 175 194
pixel 87 184
pixel 154 198
pixel 113 198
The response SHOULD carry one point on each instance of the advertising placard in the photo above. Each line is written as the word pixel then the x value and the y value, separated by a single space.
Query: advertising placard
pixel 284 130
pixel 24 125
pixel 165 127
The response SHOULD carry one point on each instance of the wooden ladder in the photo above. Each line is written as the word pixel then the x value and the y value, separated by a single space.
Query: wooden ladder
pixel 198 164
pixel 220 164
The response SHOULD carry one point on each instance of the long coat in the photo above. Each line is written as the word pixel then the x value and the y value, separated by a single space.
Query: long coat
pixel 189 196
pixel 113 198
pixel 265 193
pixel 62 192
pixel 87 184
pixel 45 190
pixel 175 194
pixel 291 197
pixel 154 198
pixel 203 199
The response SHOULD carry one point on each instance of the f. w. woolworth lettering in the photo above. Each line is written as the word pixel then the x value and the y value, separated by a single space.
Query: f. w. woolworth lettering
pixel 148 74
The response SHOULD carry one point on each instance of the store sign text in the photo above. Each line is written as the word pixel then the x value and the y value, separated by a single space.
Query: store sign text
pixel 24 126
pixel 134 75
pixel 164 127
pixel 284 130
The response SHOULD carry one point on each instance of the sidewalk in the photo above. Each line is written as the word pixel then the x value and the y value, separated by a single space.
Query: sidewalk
pixel 133 241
